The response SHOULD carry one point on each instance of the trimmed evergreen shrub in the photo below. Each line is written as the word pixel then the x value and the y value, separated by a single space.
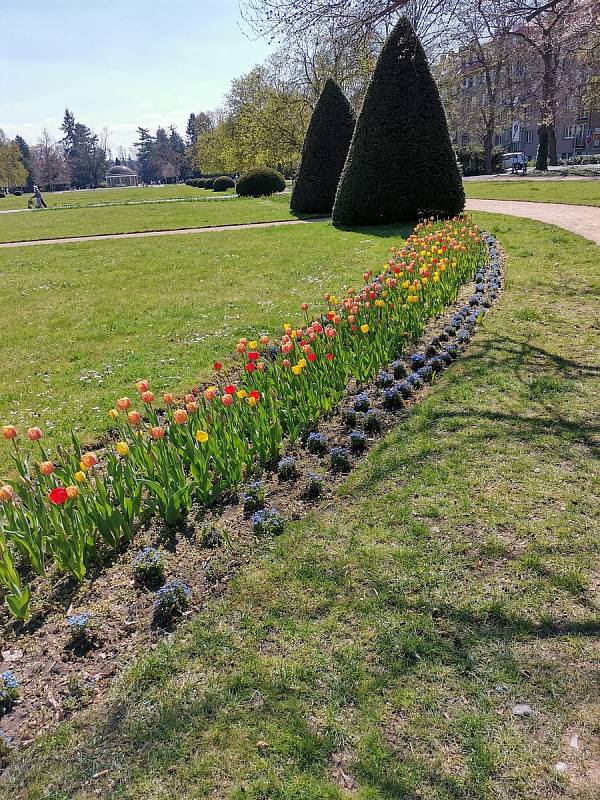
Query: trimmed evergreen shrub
pixel 259 182
pixel 324 152
pixel 222 183
pixel 207 183
pixel 401 164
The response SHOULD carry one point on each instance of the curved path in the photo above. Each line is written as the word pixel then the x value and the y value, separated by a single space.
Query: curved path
pixel 169 232
pixel 583 220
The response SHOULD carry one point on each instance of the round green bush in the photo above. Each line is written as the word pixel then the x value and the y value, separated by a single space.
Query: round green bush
pixel 222 183
pixel 208 183
pixel 259 182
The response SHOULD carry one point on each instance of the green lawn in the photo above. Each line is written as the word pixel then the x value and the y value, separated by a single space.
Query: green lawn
pixel 580 193
pixel 88 196
pixel 121 219
pixel 87 320
pixel 375 651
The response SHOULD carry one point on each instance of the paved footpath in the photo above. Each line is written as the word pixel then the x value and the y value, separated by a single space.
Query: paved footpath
pixel 584 220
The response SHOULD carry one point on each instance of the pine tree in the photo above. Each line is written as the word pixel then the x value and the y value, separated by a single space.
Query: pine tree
pixel 324 152
pixel 401 164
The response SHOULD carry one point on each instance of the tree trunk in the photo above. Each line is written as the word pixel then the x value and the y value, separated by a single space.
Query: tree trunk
pixel 541 161
pixel 552 155
pixel 488 146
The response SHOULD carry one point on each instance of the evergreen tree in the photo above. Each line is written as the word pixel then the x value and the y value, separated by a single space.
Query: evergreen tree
pixel 324 152
pixel 26 158
pixel 190 130
pixel 401 164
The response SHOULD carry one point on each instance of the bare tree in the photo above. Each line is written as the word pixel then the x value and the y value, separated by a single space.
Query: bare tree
pixel 48 163
pixel 285 20
pixel 474 80
pixel 554 32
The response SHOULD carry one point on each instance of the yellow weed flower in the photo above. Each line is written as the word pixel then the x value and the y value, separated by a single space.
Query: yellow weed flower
pixel 202 437
pixel 80 476
pixel 122 448
pixel 364 328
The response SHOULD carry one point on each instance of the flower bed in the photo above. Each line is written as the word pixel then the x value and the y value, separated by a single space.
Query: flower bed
pixel 69 508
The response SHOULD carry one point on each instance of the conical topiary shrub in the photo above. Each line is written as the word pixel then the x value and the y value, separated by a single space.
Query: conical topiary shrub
pixel 324 152
pixel 401 164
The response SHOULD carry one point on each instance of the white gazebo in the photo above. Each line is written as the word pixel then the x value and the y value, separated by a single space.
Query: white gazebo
pixel 120 175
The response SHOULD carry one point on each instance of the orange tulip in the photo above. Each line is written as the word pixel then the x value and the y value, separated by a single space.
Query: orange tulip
pixel 180 416
pixel 89 460
pixel 7 493
pixel 46 468
pixel 34 434
pixel 9 432
pixel 134 417
pixel 123 403
pixel 147 397
pixel 157 432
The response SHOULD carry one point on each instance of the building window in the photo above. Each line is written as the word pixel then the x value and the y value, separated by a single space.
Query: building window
pixel 498 139
pixel 464 139
pixel 571 131
pixel 528 137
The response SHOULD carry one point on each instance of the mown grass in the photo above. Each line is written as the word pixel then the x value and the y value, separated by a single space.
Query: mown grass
pixel 83 321
pixel 125 193
pixel 124 219
pixel 376 649
pixel 580 193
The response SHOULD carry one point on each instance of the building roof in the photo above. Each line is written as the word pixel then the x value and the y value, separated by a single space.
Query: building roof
pixel 119 169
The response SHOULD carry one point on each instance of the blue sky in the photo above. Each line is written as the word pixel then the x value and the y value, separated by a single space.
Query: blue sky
pixel 118 64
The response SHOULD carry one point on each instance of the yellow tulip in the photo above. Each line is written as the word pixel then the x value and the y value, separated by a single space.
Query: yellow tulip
pixel 202 437
pixel 122 448
pixel 364 328
pixel 252 401
pixel 79 476
pixel 297 369
pixel 241 393
pixel 113 413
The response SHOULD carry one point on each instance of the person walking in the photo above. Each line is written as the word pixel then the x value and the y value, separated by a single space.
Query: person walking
pixel 39 200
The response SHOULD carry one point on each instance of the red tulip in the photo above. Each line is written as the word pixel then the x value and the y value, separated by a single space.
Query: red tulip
pixel 230 389
pixel 58 496
pixel 217 366
pixel 253 355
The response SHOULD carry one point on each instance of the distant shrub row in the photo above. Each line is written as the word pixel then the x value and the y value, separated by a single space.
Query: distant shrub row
pixel 472 162
pixel 256 182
